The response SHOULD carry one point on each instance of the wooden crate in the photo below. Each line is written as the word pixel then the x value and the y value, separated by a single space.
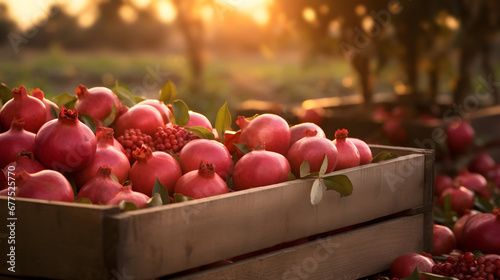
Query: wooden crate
pixel 70 241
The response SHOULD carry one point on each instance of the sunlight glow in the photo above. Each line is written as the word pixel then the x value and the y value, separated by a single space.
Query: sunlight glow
pixel 127 13
pixel 207 13
pixel 86 19
pixel 309 14
pixel 28 13
pixel 260 16
pixel 141 3
pixel 166 11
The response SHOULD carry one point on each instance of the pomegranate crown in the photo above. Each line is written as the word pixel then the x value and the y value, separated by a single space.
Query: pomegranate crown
pixel 17 124
pixel 104 135
pixel 242 122
pixel 310 132
pixel 341 134
pixel 81 90
pixel 68 114
pixel 143 153
pixel 206 168
pixel 104 171
pixel 20 91
pixel 38 93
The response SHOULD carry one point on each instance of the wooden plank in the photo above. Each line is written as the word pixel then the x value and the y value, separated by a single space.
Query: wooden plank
pixel 172 238
pixel 56 239
pixel 351 255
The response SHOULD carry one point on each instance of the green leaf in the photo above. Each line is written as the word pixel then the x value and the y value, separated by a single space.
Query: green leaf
pixel 242 147
pixel 181 112
pixel 339 183
pixel 305 169
pixel 201 132
pixel 483 204
pixel 88 121
pixel 113 176
pixel 223 121
pixel 162 191
pixel 139 99
pixel 5 93
pixel 415 275
pixel 291 177
pixel 478 254
pixel 84 200
pixel 317 190
pixel 127 206
pixel 383 156
pixel 168 92
pixel 181 198
pixel 54 112
pixel 432 276
pixel 111 118
pixel 125 97
pixel 445 215
pixel 324 166
pixel 65 99
pixel 155 201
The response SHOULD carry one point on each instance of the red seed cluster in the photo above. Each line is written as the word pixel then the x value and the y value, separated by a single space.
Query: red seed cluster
pixel 171 139
pixel 132 139
pixel 467 267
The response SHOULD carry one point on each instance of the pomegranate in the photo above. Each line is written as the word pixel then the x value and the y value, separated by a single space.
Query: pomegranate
pixel 458 227
pixel 209 150
pixel 298 131
pixel 312 115
pixel 482 163
pixel 394 131
pixel 110 132
pixel 313 149
pixel 267 130
pixel 25 161
pixel 14 141
pixel 3 181
pixel 365 153
pixel 444 240
pixel 197 119
pixel 96 102
pixel 460 136
pixel 461 198
pixel 442 182
pixel 101 187
pixel 380 113
pixel 105 154
pixel 348 154
pixel 25 107
pixel 473 181
pixel 65 144
pixel 127 194
pixel 152 165
pixel 260 168
pixel 160 106
pixel 200 183
pixel 48 104
pixel 46 184
pixel 230 138
pixel 481 232
pixel 404 265
pixel 144 117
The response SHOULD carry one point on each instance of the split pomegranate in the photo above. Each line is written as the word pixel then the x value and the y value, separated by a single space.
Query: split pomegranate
pixel 458 227
pixel 197 119
pixel 14 141
pixel 482 163
pixel 65 144
pixel 313 149
pixel 473 181
pixel 270 131
pixel 444 240
pixel 365 153
pixel 25 161
pixel 481 232
pixel 461 198
pixel 160 106
pixel 48 104
pixel 96 102
pixel 209 150
pixel 101 187
pixel 25 107
pixel 200 183
pixel 460 136
pixel 348 154
pixel 105 155
pixel 144 117
pixel 46 184
pixel 139 199
pixel 404 265
pixel 298 131
pixel 260 168
pixel 442 182
pixel 152 165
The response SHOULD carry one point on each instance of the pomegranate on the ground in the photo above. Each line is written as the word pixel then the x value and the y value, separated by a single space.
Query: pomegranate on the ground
pixel 444 240
pixel 460 136
pixel 461 198
pixel 481 232
pixel 466 266
pixel 474 182
pixel 404 265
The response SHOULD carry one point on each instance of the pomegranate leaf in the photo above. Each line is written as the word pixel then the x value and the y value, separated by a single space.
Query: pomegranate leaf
pixel 125 97
pixel 181 198
pixel 414 276
pixel 324 166
pixel 482 204
pixel 168 92
pixel 181 112
pixel 113 176
pixel 65 99
pixel 54 112
pixel 384 155
pixel 88 121
pixel 223 121
pixel 291 177
pixel 432 276
pixel 201 132
pixel 155 201
pixel 162 191
pixel 242 147
pixel 127 206
pixel 84 200
pixel 305 169
pixel 5 93
pixel 444 215
pixel 317 190
pixel 339 183
pixel 111 118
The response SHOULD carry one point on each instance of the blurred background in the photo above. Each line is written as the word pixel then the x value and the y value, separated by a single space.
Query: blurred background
pixel 286 51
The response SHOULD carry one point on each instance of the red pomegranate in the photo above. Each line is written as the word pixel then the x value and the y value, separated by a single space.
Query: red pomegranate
pixel 101 187
pixel 197 119
pixel 473 181
pixel 160 106
pixel 460 136
pixel 404 265
pixel 96 102
pixel 200 183
pixel 298 131
pixel 394 131
pixel 209 150
pixel 231 138
pixel 313 149
pixel 481 232
pixel 14 141
pixel 144 117
pixel 442 182
pixel 348 154
pixel 48 104
pixel 482 163
pixel 365 153
pixel 46 184
pixel 25 107
pixel 461 198
pixel 25 161
pixel 260 168
pixel 65 144
pixel 312 115
pixel 139 199
pixel 444 240
pixel 458 227
pixel 152 165
pixel 270 131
